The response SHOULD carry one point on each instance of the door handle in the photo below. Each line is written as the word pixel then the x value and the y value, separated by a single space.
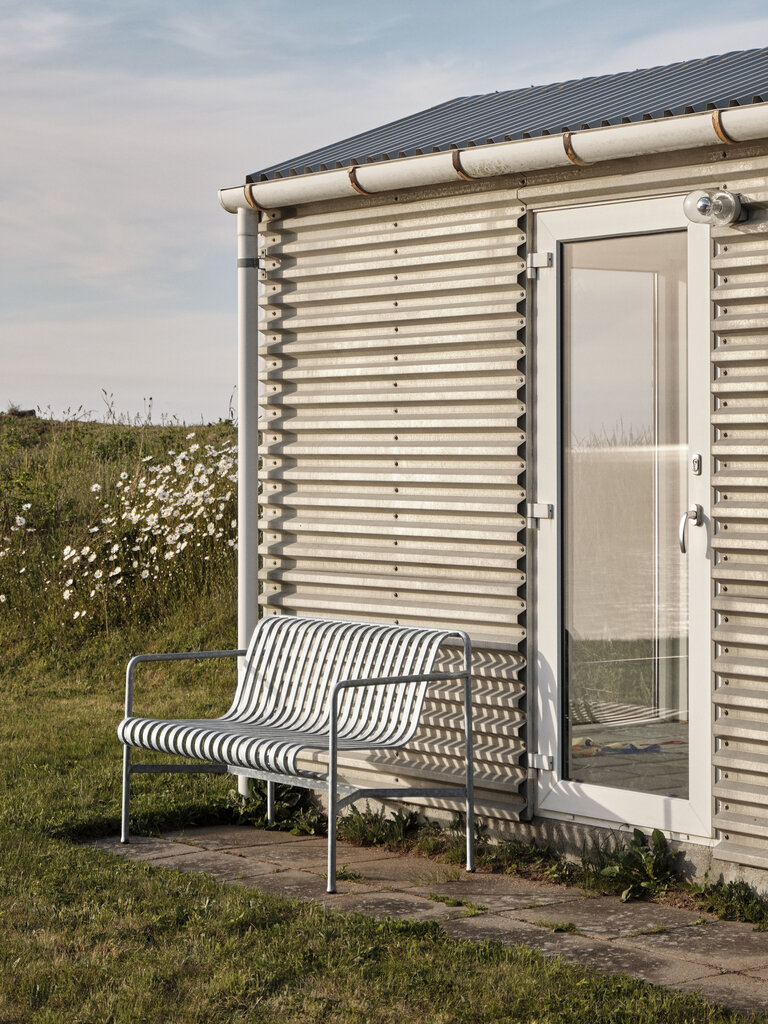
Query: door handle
pixel 694 513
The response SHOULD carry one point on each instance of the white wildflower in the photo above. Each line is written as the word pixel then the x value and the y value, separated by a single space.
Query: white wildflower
pixel 190 435
pixel 144 573
pixel 92 556
pixel 21 521
pixel 26 507
pixel 98 574
pixel 93 529
pixel 114 549
pixel 67 594
pixel 2 598
pixel 69 583
pixel 85 550
pixel 123 475
pixel 95 488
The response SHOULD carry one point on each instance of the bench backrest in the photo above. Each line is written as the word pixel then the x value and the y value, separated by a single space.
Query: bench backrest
pixel 292 663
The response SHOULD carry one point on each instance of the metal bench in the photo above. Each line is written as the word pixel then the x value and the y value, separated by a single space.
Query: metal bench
pixel 310 685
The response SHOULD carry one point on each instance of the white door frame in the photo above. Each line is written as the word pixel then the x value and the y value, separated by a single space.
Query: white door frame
pixel 556 796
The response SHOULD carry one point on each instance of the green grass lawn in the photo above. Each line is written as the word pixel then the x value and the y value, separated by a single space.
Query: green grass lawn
pixel 88 937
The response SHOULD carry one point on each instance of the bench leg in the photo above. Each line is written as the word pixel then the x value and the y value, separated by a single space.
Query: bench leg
pixel 126 792
pixel 469 780
pixel 332 828
pixel 270 801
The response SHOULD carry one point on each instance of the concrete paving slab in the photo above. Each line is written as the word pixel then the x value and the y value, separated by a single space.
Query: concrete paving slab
pixel 304 885
pixel 399 905
pixel 601 955
pixel 736 991
pixel 399 870
pixel 606 916
pixel 221 866
pixel 315 858
pixel 217 837
pixel 725 945
pixel 144 848
pixel 501 892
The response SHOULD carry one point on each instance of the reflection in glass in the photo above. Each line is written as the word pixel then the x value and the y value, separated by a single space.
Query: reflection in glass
pixel 625 600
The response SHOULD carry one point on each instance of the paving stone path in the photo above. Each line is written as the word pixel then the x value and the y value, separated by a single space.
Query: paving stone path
pixel 725 962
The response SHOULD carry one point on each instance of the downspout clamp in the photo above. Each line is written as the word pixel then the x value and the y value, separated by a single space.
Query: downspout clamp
pixel 583 148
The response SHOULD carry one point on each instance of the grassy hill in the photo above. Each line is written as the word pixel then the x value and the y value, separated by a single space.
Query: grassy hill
pixel 116 540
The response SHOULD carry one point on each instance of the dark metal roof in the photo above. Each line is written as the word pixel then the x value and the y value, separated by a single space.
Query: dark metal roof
pixel 730 79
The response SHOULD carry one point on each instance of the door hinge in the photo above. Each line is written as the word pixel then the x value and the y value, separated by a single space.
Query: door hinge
pixel 536 510
pixel 542 762
pixel 537 261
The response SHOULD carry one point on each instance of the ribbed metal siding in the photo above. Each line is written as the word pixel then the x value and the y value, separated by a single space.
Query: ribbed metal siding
pixel 392 470
pixel 740 540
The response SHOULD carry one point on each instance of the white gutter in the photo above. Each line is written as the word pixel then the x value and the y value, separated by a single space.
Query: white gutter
pixel 594 145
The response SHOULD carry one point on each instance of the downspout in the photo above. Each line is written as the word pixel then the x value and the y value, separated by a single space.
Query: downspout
pixel 247 432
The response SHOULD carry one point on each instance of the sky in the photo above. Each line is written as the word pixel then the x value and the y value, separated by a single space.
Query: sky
pixel 121 120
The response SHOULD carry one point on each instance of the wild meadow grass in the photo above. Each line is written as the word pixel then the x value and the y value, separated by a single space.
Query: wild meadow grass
pixel 87 938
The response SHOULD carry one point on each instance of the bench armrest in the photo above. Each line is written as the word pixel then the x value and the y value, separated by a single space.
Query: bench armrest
pixel 421 677
pixel 180 656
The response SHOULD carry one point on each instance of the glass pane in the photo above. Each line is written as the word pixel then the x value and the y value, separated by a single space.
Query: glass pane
pixel 625 448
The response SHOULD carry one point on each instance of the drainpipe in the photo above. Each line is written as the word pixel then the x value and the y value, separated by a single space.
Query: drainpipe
pixel 247 432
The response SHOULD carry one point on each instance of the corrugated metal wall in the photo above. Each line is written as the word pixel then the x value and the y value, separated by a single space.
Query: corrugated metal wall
pixel 740 537
pixel 393 422
pixel 387 304
pixel 739 409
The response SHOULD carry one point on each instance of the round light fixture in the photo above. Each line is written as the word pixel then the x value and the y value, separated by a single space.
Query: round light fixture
pixel 718 208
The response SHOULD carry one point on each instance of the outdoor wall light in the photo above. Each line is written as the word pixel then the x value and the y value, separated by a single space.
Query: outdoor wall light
pixel 716 208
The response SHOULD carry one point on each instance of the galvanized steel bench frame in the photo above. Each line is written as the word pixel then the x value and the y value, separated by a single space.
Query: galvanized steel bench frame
pixel 340 793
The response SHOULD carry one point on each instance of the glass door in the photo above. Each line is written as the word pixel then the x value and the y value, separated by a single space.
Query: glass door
pixel 618 431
